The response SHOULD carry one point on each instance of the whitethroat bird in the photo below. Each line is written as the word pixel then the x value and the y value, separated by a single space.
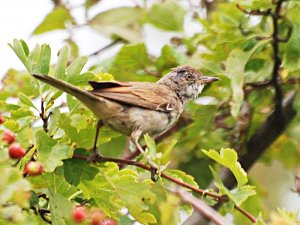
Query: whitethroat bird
pixel 137 108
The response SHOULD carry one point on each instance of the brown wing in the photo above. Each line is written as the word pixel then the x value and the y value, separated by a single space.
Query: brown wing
pixel 147 95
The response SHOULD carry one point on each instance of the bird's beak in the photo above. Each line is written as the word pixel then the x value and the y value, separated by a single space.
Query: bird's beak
pixel 207 80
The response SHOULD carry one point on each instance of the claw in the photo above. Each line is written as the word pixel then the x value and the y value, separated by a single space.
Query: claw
pixel 154 174
pixel 94 157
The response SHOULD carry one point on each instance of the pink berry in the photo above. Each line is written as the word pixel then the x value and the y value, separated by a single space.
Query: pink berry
pixel 97 217
pixel 34 168
pixel 8 137
pixel 79 214
pixel 15 151
pixel 1 119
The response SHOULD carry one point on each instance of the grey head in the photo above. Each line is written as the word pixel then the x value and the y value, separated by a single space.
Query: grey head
pixel 186 81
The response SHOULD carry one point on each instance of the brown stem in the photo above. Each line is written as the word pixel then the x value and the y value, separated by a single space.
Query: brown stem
pixel 43 116
pixel 277 61
pixel 113 43
pixel 255 12
pixel 220 198
pixel 201 207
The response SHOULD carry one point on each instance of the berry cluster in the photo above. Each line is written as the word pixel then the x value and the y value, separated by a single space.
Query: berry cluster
pixel 16 151
pixel 96 217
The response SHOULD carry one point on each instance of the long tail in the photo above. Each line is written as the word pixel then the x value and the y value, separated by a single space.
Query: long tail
pixel 84 96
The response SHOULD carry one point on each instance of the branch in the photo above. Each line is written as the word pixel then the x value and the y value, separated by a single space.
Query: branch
pixel 219 198
pixel 277 61
pixel 118 40
pixel 201 207
pixel 255 12
pixel 261 140
pixel 44 116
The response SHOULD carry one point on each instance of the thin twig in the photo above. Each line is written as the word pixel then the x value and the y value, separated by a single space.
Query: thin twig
pixel 201 207
pixel 106 47
pixel 255 12
pixel 220 198
pixel 247 214
pixel 43 116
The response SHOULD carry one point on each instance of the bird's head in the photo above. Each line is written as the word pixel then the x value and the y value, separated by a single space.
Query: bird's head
pixel 186 81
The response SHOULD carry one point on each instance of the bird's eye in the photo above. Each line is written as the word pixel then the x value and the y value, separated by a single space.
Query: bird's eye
pixel 189 75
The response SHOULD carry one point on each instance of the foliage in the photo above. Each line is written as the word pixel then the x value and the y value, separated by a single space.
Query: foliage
pixel 231 45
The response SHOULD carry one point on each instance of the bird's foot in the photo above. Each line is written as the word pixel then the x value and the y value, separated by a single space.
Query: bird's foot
pixel 155 174
pixel 94 157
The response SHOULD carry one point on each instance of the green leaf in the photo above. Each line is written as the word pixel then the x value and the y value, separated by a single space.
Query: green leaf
pixel 55 20
pixel 90 3
pixel 168 16
pixel 26 100
pixel 235 69
pixel 237 195
pixel 33 57
pixel 169 58
pixel 166 149
pixel 76 66
pixel 76 170
pixel 51 153
pixel 150 145
pixel 43 64
pixel 62 61
pixel 12 125
pixel 178 174
pixel 25 47
pixel 13 187
pixel 291 57
pixel 228 157
pixel 20 113
pixel 259 220
pixel 114 189
pixel 122 22
pixel 15 82
pixel 81 79
pixel 170 211
pixel 130 62
pixel 18 47
pixel 60 209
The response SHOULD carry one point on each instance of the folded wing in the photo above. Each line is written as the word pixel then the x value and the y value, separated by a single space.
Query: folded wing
pixel 146 95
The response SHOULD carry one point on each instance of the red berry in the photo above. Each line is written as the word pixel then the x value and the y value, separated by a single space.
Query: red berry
pixel 79 214
pixel 15 151
pixel 8 137
pixel 1 119
pixel 109 222
pixel 97 217
pixel 34 168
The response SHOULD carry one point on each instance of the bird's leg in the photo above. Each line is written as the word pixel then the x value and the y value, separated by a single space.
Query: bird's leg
pixel 94 154
pixel 135 139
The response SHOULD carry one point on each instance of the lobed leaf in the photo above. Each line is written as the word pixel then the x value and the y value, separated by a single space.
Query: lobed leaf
pixel 167 16
pixel 54 20
pixel 122 23
pixel 229 158
pixel 113 189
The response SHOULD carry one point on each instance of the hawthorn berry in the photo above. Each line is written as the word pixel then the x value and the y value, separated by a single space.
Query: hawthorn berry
pixel 9 137
pixel 1 119
pixel 15 151
pixel 109 222
pixel 97 217
pixel 34 168
pixel 79 214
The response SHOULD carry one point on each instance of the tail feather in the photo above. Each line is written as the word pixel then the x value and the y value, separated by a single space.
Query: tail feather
pixel 84 96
